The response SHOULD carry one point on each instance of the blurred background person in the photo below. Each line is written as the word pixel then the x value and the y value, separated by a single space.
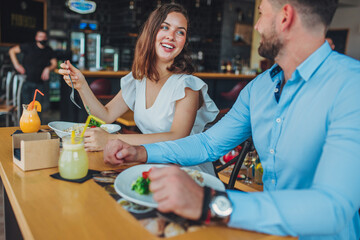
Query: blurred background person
pixel 37 63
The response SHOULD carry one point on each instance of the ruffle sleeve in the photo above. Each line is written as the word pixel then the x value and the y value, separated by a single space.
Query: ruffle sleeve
pixel 207 112
pixel 128 87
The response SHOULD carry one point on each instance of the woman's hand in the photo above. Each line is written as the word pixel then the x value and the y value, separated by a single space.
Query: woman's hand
pixel 95 139
pixel 76 76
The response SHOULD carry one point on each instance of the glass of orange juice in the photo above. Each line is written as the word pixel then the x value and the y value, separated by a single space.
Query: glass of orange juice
pixel 29 121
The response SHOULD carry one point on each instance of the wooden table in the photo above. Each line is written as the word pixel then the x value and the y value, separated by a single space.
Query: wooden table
pixel 46 208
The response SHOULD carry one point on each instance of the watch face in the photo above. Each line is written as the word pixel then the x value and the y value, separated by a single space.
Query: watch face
pixel 221 206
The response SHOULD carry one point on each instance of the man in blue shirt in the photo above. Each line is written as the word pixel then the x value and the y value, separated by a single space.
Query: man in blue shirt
pixel 304 117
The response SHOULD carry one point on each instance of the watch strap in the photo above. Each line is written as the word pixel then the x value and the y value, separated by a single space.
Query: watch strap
pixel 208 194
pixel 207 215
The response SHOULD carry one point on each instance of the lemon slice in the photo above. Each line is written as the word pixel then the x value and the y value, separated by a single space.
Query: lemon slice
pixel 37 105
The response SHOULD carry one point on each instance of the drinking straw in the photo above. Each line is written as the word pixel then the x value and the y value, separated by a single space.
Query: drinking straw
pixel 31 105
pixel 97 119
pixel 72 137
pixel 88 121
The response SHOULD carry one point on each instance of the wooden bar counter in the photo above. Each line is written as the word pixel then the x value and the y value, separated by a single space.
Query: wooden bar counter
pixel 202 75
pixel 239 184
pixel 46 208
pixel 215 82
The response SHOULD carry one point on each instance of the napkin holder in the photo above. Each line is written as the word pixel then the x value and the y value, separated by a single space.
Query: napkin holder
pixel 37 150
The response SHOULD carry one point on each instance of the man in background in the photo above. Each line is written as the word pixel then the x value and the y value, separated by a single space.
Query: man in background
pixel 37 63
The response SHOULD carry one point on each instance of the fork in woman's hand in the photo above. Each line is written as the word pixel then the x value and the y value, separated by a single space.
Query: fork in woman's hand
pixel 72 92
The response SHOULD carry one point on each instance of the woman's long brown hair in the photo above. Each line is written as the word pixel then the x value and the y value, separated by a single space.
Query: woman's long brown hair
pixel 144 64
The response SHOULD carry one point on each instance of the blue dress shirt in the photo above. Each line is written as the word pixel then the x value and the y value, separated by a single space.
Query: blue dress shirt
pixel 308 140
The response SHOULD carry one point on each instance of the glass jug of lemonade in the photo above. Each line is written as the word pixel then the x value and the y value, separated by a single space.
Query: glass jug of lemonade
pixel 29 121
pixel 73 162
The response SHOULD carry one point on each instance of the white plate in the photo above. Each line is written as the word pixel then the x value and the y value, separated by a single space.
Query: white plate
pixel 126 178
pixel 60 126
pixel 133 207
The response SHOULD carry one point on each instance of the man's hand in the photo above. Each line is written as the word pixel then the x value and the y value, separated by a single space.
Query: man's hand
pixel 175 191
pixel 20 68
pixel 96 139
pixel 119 152
pixel 45 75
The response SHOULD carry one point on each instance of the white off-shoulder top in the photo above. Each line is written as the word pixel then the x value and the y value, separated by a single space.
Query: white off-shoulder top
pixel 159 117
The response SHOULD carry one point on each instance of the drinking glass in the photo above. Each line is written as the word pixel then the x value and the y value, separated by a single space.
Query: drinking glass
pixel 29 121
pixel 249 162
pixel 73 162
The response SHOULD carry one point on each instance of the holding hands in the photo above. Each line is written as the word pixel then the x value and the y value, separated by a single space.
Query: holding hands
pixel 173 189
pixel 119 152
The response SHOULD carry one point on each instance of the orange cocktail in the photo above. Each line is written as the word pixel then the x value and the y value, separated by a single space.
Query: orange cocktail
pixel 29 121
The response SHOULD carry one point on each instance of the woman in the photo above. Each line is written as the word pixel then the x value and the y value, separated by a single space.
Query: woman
pixel 168 103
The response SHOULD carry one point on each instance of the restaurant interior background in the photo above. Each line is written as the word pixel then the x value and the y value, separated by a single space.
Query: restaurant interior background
pixel 221 39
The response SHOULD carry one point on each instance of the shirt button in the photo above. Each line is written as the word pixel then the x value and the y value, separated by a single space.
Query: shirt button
pixel 278 120
pixel 272 151
pixel 276 90
pixel 273 181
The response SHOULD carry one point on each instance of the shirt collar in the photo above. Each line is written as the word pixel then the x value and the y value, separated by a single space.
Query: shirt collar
pixel 309 66
pixel 274 70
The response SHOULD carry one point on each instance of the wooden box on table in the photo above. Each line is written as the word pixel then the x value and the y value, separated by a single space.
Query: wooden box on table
pixel 33 151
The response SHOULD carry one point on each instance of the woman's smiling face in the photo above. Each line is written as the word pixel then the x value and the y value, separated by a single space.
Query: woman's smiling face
pixel 171 37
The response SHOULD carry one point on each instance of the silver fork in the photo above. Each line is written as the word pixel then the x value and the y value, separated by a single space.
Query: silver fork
pixel 72 93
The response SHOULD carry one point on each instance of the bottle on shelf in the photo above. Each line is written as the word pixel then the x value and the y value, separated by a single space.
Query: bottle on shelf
pixel 223 67
pixel 240 15
pixel 228 67
pixel 81 64
pixel 236 70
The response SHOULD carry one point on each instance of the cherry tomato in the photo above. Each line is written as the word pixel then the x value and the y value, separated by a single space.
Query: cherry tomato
pixel 145 174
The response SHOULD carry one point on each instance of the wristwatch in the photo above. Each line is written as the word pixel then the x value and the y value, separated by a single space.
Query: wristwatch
pixel 220 206
pixel 217 207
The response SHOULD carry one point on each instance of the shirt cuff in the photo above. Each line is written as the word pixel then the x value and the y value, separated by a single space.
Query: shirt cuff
pixel 154 153
pixel 234 198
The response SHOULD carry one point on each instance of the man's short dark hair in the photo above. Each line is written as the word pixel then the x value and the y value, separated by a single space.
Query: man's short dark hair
pixel 41 30
pixel 312 11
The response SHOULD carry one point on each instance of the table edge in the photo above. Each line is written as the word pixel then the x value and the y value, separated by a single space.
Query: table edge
pixel 19 215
